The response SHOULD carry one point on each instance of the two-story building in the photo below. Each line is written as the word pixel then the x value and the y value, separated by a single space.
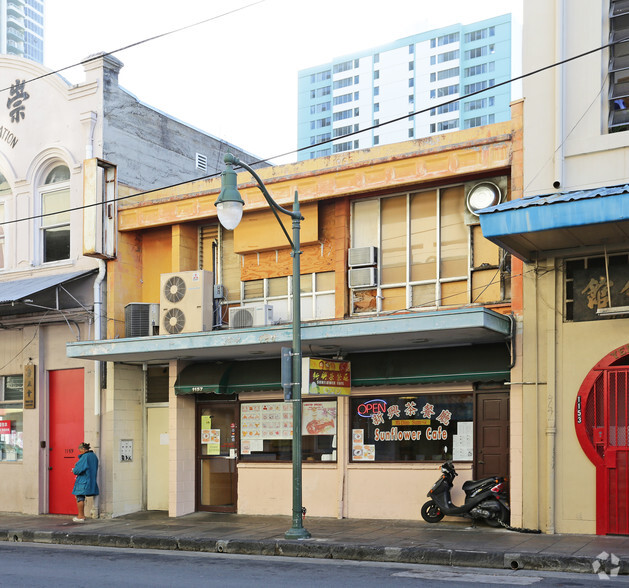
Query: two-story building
pixel 396 279
pixel 58 200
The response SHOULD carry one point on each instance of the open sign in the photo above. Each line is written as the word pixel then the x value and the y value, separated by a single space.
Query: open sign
pixel 375 406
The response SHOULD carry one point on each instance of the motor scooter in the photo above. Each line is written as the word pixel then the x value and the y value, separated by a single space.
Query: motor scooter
pixel 484 499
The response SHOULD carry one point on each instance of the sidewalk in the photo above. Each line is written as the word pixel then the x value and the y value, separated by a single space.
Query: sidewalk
pixel 455 543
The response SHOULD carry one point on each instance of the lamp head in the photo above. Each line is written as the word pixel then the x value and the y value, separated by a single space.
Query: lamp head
pixel 229 204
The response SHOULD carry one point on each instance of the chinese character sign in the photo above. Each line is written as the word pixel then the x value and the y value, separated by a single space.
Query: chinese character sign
pixel 592 290
pixel 15 102
pixel 325 377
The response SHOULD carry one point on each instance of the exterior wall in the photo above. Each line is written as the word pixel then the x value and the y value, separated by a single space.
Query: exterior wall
pixel 565 109
pixel 565 142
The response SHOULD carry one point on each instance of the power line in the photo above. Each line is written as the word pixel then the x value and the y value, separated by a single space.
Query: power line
pixel 137 43
pixel 382 124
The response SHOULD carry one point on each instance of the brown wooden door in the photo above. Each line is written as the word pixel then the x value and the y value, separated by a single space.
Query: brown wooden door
pixel 217 451
pixel 492 434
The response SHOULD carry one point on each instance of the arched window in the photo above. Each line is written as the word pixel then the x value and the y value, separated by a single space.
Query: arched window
pixel 5 190
pixel 55 210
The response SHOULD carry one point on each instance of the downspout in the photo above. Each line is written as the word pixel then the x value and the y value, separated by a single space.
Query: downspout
pixel 98 334
pixel 551 412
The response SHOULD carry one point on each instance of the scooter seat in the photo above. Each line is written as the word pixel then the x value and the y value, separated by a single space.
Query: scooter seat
pixel 474 484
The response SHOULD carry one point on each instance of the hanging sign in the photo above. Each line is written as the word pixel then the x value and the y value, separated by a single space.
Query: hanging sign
pixel 327 377
pixel 29 386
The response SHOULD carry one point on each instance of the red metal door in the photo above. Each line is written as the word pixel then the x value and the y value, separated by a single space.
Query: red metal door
pixel 65 391
pixel 616 451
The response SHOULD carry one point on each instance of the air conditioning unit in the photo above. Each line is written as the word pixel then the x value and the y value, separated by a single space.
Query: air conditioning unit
pixel 250 316
pixel 362 277
pixel 141 319
pixel 361 256
pixel 186 302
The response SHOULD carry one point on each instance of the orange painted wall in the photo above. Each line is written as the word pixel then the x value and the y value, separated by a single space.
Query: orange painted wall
pixel 156 260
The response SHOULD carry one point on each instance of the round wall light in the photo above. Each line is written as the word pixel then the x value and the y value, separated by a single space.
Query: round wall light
pixel 483 195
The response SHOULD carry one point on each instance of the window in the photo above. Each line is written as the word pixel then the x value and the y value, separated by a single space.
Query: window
pixel 342 83
pixel 448 125
pixel 411 65
pixel 447 91
pixel 320 76
pixel 342 131
pixel 478 121
pixel 475 104
pixel 424 252
pixel 585 286
pixel 411 82
pixel 376 107
pixel 11 418
pixel 477 52
pixel 340 147
pixel 317 290
pixel 475 70
pixel 452 107
pixel 376 91
pixel 413 427
pixel 319 108
pixel 447 39
pixel 411 133
pixel 411 49
pixel 376 58
pixel 433 77
pixel 447 56
pixel 619 67
pixel 376 140
pixel 411 99
pixel 320 92
pixel 55 222
pixel 480 34
pixel 266 430
pixel 344 66
pixel 444 74
pixel 342 99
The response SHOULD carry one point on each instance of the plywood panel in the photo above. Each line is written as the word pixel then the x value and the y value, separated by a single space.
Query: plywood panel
pixel 486 286
pixel 260 231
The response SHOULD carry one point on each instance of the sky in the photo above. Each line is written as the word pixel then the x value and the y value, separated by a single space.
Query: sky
pixel 235 75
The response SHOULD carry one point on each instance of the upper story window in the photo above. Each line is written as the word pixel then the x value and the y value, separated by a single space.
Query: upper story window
pixel 586 286
pixel 619 67
pixel 55 209
pixel 427 256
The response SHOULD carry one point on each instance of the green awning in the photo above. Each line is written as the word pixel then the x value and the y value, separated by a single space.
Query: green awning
pixel 229 377
pixel 203 378
pixel 474 363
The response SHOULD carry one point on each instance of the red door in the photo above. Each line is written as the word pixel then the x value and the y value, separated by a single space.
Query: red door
pixel 65 390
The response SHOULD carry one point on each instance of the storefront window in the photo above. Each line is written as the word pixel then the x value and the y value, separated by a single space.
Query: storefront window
pixel 426 427
pixel 11 418
pixel 266 431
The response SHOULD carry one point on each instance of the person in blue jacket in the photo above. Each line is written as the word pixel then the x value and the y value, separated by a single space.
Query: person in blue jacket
pixel 85 471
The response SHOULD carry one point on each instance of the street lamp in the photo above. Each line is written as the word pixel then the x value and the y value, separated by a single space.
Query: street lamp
pixel 229 210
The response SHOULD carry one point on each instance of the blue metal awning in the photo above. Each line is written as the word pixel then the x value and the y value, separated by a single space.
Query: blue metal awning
pixel 532 227
pixel 420 330
pixel 16 290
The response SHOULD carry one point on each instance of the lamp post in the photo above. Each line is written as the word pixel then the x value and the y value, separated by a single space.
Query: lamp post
pixel 229 207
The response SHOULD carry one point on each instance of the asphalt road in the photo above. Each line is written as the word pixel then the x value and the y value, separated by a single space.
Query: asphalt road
pixel 40 565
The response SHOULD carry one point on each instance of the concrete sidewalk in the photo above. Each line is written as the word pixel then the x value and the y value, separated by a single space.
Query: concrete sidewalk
pixel 455 543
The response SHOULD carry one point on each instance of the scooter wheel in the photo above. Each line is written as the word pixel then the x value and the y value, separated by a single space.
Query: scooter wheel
pixel 431 513
pixel 502 516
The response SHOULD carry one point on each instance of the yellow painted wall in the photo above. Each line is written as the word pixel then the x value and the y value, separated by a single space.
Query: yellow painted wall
pixel 156 260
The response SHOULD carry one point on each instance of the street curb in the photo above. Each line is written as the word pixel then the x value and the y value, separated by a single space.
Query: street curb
pixel 318 550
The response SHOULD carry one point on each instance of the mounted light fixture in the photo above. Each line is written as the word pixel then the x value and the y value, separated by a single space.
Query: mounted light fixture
pixel 483 195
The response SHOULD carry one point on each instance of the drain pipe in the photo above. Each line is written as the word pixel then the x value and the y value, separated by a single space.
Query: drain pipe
pixel 98 334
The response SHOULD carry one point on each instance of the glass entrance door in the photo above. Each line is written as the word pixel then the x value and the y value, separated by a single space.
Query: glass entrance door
pixel 217 451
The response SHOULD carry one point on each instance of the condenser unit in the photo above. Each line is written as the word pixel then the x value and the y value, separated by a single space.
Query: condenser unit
pixel 362 256
pixel 362 277
pixel 250 316
pixel 186 302
pixel 141 319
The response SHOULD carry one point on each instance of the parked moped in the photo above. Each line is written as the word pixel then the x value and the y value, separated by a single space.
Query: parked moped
pixel 484 499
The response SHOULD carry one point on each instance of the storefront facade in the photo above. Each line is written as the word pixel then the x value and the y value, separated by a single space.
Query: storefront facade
pixel 58 194
pixel 421 339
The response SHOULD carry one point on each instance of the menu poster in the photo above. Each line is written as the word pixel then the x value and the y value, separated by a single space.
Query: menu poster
pixel 214 442
pixel 266 420
pixel 360 451
pixel 463 442
pixel 319 418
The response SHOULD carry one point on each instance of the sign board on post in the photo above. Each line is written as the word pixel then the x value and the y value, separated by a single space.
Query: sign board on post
pixel 29 386
pixel 328 377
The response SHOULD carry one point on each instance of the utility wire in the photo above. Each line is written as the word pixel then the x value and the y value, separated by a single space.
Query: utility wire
pixel 136 44
pixel 382 124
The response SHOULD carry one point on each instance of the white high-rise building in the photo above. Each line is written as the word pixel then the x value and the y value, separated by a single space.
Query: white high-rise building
pixel 22 28
pixel 433 72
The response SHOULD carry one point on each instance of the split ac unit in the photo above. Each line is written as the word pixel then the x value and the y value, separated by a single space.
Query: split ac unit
pixel 361 256
pixel 186 302
pixel 250 316
pixel 362 277
pixel 141 319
